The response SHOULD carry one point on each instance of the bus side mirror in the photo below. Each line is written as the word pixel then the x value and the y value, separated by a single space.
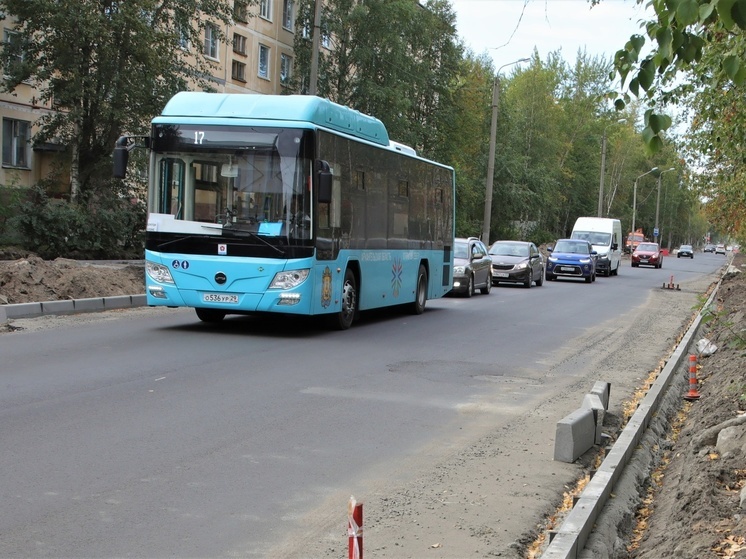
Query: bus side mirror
pixel 121 156
pixel 324 182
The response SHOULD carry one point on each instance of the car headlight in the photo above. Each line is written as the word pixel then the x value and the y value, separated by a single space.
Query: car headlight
pixel 521 266
pixel 552 259
pixel 585 260
pixel 289 279
pixel 460 270
pixel 158 272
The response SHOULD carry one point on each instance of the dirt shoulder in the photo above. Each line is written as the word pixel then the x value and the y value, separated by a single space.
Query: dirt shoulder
pixel 692 508
pixel 30 279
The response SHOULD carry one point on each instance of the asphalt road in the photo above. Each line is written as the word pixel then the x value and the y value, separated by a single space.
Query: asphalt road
pixel 151 434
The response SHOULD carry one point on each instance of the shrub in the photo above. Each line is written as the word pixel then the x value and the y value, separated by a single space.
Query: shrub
pixel 106 228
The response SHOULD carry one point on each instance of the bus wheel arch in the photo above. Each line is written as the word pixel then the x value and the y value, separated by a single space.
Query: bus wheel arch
pixel 420 290
pixel 349 299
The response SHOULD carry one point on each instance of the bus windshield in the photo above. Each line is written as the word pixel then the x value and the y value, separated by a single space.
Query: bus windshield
pixel 233 178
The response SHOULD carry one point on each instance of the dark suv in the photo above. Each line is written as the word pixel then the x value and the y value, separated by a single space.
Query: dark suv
pixel 472 267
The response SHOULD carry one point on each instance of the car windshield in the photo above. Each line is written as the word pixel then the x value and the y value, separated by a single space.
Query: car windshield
pixel 461 250
pixel 572 247
pixel 686 247
pixel 648 247
pixel 593 237
pixel 509 249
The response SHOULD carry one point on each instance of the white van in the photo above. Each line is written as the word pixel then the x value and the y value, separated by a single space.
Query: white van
pixel 605 234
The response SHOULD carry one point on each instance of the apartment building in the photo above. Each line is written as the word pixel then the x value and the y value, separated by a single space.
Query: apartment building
pixel 257 59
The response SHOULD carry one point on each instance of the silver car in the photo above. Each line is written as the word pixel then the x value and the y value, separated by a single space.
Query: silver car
pixel 472 267
pixel 516 262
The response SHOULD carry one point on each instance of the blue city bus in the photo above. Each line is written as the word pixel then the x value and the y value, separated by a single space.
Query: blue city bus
pixel 289 204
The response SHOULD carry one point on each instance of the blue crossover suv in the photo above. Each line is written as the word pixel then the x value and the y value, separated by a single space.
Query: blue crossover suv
pixel 571 258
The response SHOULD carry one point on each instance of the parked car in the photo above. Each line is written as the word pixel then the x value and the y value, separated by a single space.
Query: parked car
pixel 686 251
pixel 571 258
pixel 647 254
pixel 709 248
pixel 516 262
pixel 472 267
pixel 720 249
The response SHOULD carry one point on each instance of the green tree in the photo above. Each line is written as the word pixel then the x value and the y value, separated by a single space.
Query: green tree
pixel 109 66
pixel 698 60
pixel 393 59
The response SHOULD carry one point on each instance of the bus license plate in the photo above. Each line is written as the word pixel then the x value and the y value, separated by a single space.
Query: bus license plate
pixel 219 298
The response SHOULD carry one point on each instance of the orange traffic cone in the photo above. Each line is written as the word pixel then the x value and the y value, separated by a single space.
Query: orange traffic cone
pixel 693 393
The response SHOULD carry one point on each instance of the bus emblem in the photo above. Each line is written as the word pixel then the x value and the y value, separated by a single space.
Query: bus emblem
pixel 396 276
pixel 326 288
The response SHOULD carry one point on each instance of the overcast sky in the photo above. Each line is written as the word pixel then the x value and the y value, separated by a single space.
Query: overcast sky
pixel 508 30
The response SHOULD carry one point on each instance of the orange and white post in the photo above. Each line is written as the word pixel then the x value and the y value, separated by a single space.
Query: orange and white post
pixel 355 528
pixel 693 393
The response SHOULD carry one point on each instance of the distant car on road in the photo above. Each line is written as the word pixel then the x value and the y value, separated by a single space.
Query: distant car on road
pixel 709 248
pixel 472 267
pixel 571 258
pixel 686 251
pixel 516 262
pixel 647 254
pixel 720 249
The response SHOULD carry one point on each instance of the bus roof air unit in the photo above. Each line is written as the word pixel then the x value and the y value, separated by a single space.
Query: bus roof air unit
pixel 321 112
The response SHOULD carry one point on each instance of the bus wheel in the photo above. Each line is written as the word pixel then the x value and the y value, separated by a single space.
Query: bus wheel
pixel 346 315
pixel 210 315
pixel 420 295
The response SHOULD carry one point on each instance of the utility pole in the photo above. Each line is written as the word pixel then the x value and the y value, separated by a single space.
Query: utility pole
pixel 491 161
pixel 656 232
pixel 600 212
pixel 315 45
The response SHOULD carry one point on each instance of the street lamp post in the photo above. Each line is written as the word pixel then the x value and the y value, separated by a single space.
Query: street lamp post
pixel 491 161
pixel 603 168
pixel 656 232
pixel 634 196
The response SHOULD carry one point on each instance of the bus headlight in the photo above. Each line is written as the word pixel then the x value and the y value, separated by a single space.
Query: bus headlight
pixel 289 279
pixel 158 272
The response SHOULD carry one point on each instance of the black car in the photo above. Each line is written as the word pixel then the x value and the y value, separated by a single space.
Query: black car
pixel 516 262
pixel 709 248
pixel 686 251
pixel 472 267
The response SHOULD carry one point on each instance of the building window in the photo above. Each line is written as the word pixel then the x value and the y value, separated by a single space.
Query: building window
pixel 287 14
pixel 265 9
pixel 183 39
pixel 404 188
pixel 211 41
pixel 241 11
pixel 263 62
pixel 239 43
pixel 16 136
pixel 12 42
pixel 238 71
pixel 325 40
pixel 286 69
pixel 306 33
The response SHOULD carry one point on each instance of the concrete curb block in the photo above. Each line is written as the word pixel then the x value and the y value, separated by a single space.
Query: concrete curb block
pixel 575 434
pixel 69 306
pixel 23 310
pixel 574 532
pixel 57 307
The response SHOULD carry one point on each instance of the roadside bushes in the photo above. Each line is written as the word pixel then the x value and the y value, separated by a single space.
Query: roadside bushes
pixel 107 228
